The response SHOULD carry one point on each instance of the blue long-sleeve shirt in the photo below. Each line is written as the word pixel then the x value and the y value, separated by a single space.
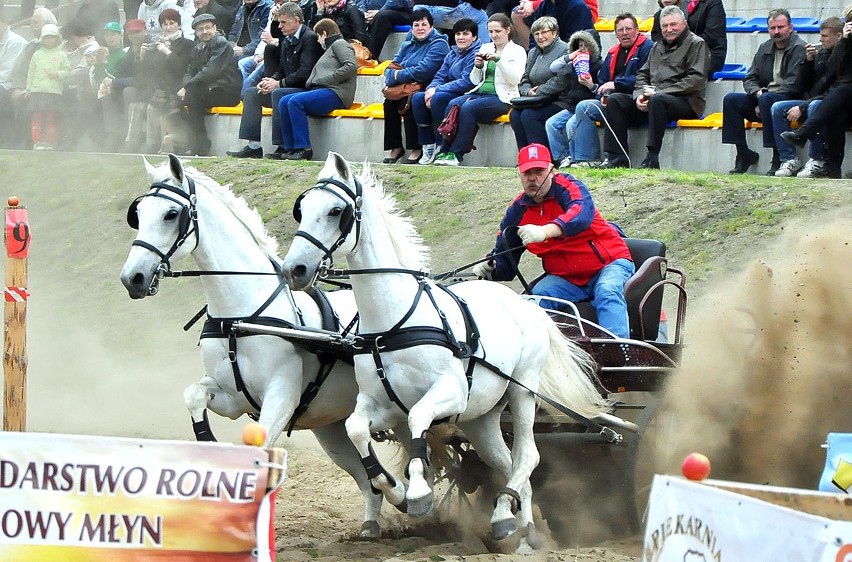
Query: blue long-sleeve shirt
pixel 454 75
pixel 420 60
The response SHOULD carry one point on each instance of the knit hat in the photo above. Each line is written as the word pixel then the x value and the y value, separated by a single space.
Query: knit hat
pixel 134 25
pixel 533 156
pixel 113 26
pixel 201 18
pixel 50 29
pixel 169 14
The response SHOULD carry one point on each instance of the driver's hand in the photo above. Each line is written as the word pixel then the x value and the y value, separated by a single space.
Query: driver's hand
pixel 484 269
pixel 531 233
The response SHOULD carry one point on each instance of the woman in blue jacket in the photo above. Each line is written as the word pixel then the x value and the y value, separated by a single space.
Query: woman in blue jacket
pixel 452 80
pixel 418 60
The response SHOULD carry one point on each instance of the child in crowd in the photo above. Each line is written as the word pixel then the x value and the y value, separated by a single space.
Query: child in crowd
pixel 48 66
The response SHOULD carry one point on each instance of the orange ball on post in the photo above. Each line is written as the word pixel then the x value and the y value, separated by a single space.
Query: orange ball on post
pixel 254 434
pixel 695 466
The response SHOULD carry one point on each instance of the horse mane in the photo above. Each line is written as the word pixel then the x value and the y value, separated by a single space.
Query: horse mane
pixel 410 250
pixel 237 205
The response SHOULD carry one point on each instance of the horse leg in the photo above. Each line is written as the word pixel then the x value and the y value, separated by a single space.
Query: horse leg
pixel 517 496
pixel 444 399
pixel 196 397
pixel 280 400
pixel 336 444
pixel 358 427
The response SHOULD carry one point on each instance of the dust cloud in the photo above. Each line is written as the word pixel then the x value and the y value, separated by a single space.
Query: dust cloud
pixel 767 372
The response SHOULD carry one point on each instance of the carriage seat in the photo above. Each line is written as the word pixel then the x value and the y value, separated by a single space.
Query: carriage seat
pixel 649 259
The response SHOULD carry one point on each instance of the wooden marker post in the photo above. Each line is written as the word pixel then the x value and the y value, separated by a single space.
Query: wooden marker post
pixel 18 239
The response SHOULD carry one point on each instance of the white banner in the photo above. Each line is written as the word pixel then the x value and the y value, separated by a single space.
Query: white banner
pixel 98 499
pixel 837 476
pixel 694 522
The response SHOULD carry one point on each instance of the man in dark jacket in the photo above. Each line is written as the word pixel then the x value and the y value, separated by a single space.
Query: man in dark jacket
pixel 249 21
pixel 705 18
pixel 834 115
pixel 785 51
pixel 815 78
pixel 299 53
pixel 584 257
pixel 670 86
pixel 212 79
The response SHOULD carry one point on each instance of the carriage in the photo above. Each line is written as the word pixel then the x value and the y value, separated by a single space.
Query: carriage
pixel 631 370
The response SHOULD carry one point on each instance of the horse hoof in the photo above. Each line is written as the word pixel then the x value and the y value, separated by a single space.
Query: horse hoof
pixel 500 530
pixel 402 507
pixel 420 507
pixel 371 530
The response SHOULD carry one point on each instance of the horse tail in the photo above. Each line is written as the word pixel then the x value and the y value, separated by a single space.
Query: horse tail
pixel 569 376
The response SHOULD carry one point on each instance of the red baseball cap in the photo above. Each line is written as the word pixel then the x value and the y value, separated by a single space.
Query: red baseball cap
pixel 533 156
pixel 134 25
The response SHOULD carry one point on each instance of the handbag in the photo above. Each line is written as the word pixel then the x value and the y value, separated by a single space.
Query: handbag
pixel 401 91
pixel 450 125
pixel 529 102
pixel 363 56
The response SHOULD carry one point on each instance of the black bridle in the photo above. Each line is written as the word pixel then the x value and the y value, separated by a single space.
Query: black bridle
pixel 187 224
pixel 350 217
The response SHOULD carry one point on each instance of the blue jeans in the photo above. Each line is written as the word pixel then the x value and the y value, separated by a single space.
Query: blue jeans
pixel 737 106
pixel 584 144
pixel 556 136
pixel 605 290
pixel 428 118
pixel 475 108
pixel 293 110
pixel 780 124
pixel 446 17
pixel 253 78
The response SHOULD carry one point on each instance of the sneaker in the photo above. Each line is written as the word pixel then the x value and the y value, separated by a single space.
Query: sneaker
pixel 810 167
pixel 587 164
pixel 788 168
pixel 430 151
pixel 446 159
pixel 827 171
pixel 565 163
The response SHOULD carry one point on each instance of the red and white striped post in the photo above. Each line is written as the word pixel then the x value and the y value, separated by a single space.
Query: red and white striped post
pixel 18 239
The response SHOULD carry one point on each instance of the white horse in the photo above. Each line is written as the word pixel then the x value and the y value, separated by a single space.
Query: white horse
pixel 417 342
pixel 186 212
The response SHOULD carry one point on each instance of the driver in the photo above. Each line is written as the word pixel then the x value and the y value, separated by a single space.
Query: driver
pixel 584 257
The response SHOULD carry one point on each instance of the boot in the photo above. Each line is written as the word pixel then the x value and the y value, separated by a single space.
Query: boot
pixel 746 158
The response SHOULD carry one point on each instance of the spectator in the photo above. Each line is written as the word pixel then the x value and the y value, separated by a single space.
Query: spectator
pixel 445 13
pixel 78 104
pixel 249 23
pixel 12 47
pixel 48 66
pixel 705 18
pixel 224 14
pixel 381 17
pixel 451 80
pixel 113 41
pixel 571 16
pixel 129 92
pixel 96 14
pixel 771 78
pixel 20 135
pixel 149 12
pixel 814 80
pixel 299 52
pixel 834 115
pixel 256 65
pixel 539 80
pixel 617 75
pixel 212 79
pixel 579 65
pixel 669 86
pixel 497 70
pixel 165 63
pixel 330 86
pixel 346 14
pixel 418 60
pixel 584 257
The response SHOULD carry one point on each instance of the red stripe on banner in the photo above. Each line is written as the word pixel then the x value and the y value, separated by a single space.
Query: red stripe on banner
pixel 16 294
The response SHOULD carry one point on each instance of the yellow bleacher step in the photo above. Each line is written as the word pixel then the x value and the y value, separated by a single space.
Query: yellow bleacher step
pixel 377 70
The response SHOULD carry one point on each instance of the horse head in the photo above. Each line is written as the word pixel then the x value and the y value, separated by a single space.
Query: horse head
pixel 165 218
pixel 329 217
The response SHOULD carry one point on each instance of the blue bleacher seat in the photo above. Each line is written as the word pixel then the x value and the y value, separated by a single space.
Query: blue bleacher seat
pixel 742 26
pixel 758 25
pixel 805 25
pixel 731 72
pixel 402 28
